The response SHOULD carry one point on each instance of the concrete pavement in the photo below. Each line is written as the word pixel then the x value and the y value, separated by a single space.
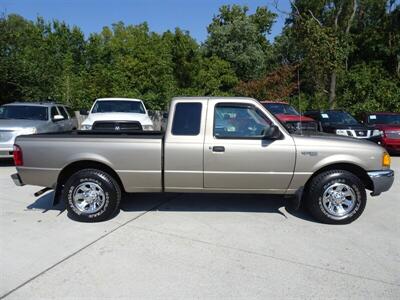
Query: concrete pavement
pixel 196 246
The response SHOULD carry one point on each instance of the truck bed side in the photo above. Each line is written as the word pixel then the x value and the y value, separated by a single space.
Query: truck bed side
pixel 137 159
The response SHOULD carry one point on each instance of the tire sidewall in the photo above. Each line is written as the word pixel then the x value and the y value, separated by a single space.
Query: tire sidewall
pixel 100 178
pixel 322 183
pixel 356 190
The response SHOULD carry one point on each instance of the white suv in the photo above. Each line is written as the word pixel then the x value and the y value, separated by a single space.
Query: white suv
pixel 118 110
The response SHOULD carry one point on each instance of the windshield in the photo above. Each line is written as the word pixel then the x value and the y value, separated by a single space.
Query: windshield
pixel 24 112
pixel 119 107
pixel 338 117
pixel 384 119
pixel 281 108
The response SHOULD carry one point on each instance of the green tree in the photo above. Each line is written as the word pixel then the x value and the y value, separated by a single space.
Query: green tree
pixel 240 38
pixel 215 78
pixel 369 88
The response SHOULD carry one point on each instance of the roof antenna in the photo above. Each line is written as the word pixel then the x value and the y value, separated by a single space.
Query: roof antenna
pixel 298 91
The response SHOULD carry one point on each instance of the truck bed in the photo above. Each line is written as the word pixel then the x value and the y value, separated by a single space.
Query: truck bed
pixel 135 156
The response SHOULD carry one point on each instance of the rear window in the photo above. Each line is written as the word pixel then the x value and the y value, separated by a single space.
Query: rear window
pixel 281 109
pixel 24 112
pixel 187 119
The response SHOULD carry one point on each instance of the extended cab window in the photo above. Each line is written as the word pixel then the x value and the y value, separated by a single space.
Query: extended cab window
pixel 187 119
pixel 239 121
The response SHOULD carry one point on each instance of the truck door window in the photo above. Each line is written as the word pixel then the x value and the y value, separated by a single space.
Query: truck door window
pixel 187 119
pixel 63 112
pixel 239 121
pixel 54 112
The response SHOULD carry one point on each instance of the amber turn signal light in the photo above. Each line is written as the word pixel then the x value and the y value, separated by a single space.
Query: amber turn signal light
pixel 386 159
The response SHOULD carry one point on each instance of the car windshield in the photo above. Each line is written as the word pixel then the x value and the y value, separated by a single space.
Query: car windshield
pixel 384 119
pixel 24 112
pixel 338 117
pixel 119 107
pixel 281 108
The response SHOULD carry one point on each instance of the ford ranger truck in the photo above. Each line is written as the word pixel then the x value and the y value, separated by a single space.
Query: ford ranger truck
pixel 211 145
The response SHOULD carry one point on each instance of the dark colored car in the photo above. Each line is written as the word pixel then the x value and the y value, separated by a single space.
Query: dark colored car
pixel 290 117
pixel 342 123
pixel 389 126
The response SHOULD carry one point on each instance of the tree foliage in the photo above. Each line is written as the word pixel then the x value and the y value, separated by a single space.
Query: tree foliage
pixel 240 39
pixel 345 53
pixel 279 84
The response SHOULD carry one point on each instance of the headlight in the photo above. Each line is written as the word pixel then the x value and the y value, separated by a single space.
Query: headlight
pixel 28 131
pixel 386 159
pixel 147 127
pixel 377 132
pixel 86 127
pixel 341 132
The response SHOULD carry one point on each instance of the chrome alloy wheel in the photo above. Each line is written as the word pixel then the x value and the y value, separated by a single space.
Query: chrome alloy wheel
pixel 89 197
pixel 339 200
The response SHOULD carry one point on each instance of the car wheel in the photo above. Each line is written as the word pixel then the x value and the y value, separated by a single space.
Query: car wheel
pixel 91 195
pixel 336 197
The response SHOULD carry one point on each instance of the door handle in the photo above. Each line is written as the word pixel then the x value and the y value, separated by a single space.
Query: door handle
pixel 218 149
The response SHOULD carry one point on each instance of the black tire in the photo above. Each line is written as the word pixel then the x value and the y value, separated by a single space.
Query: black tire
pixel 326 183
pixel 103 182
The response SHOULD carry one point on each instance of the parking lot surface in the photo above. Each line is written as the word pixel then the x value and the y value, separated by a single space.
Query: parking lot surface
pixel 195 246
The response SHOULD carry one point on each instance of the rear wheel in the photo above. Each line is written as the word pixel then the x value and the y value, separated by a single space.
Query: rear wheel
pixel 91 195
pixel 336 197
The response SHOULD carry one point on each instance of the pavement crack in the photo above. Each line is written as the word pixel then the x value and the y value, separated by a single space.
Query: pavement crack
pixel 155 207
pixel 286 260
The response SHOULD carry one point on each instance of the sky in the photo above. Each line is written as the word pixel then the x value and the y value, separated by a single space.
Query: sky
pixel 161 15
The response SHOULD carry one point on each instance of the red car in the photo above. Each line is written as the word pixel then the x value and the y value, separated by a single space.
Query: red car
pixel 389 125
pixel 290 117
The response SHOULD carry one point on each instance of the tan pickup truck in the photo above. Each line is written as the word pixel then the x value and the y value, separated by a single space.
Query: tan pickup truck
pixel 211 145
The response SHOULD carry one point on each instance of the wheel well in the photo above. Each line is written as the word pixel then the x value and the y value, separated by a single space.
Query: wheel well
pixel 356 170
pixel 86 164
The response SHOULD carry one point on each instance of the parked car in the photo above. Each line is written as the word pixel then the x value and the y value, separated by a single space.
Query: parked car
pixel 21 118
pixel 389 126
pixel 290 117
pixel 116 114
pixel 341 122
pixel 213 145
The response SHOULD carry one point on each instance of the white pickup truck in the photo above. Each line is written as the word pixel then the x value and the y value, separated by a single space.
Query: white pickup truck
pixel 117 114
pixel 211 145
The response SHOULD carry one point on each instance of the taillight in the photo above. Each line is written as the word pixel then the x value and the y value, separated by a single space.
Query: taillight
pixel 18 158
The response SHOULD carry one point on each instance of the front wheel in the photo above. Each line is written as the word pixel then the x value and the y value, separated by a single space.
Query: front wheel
pixel 336 197
pixel 91 195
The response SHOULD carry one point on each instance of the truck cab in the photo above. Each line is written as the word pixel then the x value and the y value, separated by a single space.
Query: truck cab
pixel 206 139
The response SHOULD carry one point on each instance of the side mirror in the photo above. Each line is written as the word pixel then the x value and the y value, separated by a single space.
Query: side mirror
pixel 58 118
pixel 165 115
pixel 83 112
pixel 272 133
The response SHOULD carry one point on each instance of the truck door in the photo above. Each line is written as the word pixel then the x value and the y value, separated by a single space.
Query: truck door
pixel 237 157
pixel 65 124
pixel 183 154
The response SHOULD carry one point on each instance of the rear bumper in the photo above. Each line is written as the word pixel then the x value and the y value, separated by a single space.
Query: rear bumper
pixel 6 151
pixel 17 179
pixel 382 181
pixel 6 154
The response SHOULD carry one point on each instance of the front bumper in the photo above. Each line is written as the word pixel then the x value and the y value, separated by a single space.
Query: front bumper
pixel 382 181
pixel 17 179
